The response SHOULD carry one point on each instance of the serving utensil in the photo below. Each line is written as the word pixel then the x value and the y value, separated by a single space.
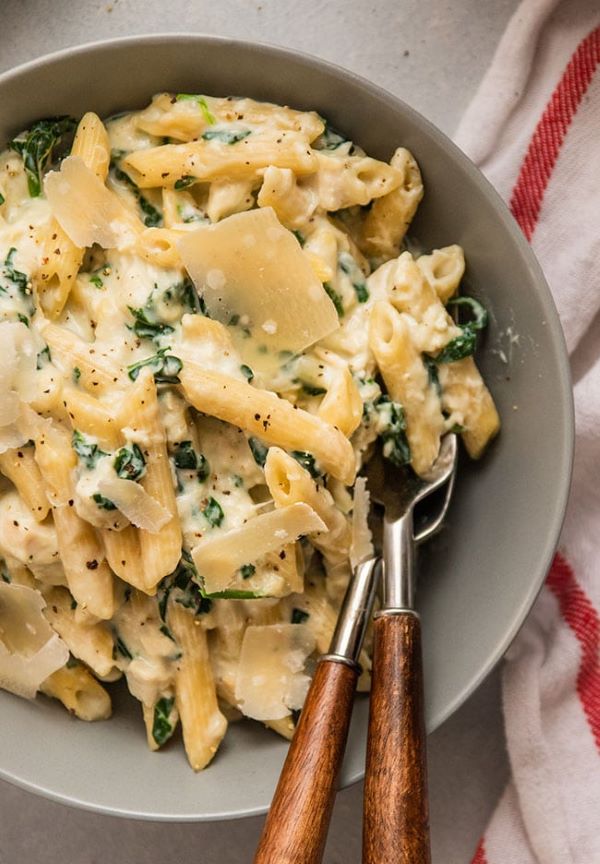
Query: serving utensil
pixel 295 830
pixel 296 826
pixel 396 810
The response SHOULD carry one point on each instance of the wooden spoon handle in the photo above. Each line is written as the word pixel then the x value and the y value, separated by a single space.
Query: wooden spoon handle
pixel 396 811
pixel 296 826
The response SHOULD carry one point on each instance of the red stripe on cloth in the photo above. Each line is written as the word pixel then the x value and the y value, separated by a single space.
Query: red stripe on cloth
pixel 479 857
pixel 526 200
pixel 583 619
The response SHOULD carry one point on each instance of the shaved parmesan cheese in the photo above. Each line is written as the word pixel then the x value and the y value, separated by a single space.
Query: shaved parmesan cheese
pixel 135 503
pixel 270 678
pixel 361 545
pixel 20 347
pixel 29 425
pixel 88 485
pixel 85 209
pixel 11 437
pixel 250 265
pixel 9 400
pixel 30 651
pixel 218 558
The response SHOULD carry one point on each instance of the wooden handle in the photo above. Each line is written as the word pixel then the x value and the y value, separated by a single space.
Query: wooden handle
pixel 296 826
pixel 396 810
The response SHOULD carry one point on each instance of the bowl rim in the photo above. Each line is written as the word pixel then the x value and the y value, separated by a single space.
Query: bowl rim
pixel 564 458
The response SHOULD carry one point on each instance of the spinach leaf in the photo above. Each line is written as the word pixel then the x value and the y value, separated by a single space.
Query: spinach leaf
pixel 88 451
pixel 185 456
pixel 36 146
pixel 259 451
pixel 180 296
pixel 2 199
pixel 299 616
pixel 329 139
pixel 144 327
pixel 152 217
pixel 234 594
pixel 464 345
pixel 184 182
pixel 307 460
pixel 311 389
pixel 19 280
pixel 335 298
pixel 477 309
pixel 187 459
pixel 299 237
pixel 166 367
pixel 130 463
pixel 459 348
pixel 162 728
pixel 247 372
pixel 183 294
pixel 349 266
pixel 102 502
pixel 213 512
pixel 182 586
pixel 121 175
pixel 395 443
pixel 226 136
pixel 247 570
pixel 208 116
pixel 43 357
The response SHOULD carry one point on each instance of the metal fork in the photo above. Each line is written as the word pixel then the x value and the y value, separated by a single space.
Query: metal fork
pixel 396 811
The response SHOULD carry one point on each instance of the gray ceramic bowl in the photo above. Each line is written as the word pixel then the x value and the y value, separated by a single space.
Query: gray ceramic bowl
pixel 479 578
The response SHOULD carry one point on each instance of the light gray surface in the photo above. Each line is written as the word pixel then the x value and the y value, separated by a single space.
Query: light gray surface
pixel 450 45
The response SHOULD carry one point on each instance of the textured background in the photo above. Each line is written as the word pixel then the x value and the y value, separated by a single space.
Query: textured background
pixel 432 53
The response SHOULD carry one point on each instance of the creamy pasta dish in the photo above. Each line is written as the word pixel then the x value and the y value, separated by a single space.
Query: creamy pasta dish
pixel 208 316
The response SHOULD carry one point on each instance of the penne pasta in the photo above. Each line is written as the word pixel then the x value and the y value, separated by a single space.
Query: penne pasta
pixel 270 418
pixel 203 724
pixel 88 574
pixel 79 692
pixel 19 465
pixel 407 382
pixel 214 160
pixel 390 216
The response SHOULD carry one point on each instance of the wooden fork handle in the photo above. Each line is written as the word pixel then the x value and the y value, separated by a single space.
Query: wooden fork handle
pixel 296 826
pixel 396 811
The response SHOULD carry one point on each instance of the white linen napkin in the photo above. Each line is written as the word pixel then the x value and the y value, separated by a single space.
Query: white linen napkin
pixel 534 129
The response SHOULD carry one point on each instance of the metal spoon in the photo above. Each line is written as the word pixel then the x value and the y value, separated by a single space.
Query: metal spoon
pixel 396 811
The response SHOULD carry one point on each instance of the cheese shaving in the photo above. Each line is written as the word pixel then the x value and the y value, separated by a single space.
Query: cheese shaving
pixel 270 679
pixel 85 209
pixel 268 281
pixel 218 558
pixel 135 503
pixel 20 348
pixel 30 651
